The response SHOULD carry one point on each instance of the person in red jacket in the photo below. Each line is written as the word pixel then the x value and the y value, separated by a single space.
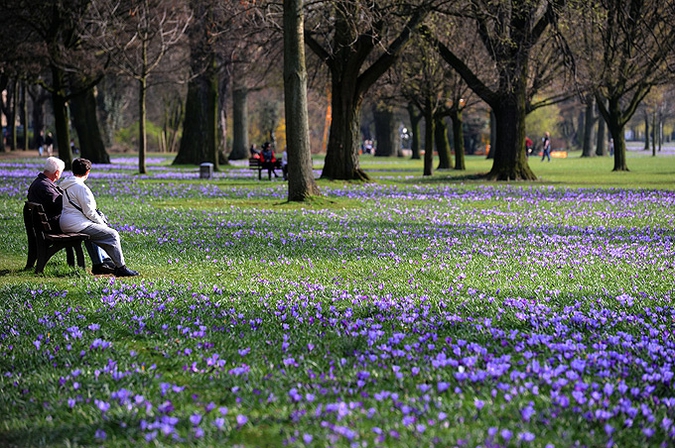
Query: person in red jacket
pixel 528 146
pixel 269 160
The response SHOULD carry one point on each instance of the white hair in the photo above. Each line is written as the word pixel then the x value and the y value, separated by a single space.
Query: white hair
pixel 54 164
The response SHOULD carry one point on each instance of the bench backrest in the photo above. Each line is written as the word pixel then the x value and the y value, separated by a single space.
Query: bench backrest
pixel 35 220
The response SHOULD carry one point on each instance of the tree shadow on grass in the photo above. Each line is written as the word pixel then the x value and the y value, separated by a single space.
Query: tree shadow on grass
pixel 449 178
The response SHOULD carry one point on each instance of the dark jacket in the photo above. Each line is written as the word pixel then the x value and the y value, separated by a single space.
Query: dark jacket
pixel 45 192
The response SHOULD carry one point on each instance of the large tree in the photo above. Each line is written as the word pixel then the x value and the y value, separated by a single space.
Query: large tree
pixel 199 142
pixel 622 49
pixel 224 44
pixel 138 34
pixel 50 36
pixel 422 79
pixel 358 41
pixel 256 51
pixel 85 122
pixel 301 183
pixel 511 32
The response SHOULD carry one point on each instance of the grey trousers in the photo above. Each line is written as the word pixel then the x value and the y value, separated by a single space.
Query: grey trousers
pixel 107 239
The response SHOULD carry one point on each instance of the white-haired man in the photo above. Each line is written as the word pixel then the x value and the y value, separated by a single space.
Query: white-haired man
pixel 44 191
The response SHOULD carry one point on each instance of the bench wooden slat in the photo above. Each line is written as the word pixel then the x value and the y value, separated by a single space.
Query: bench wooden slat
pixel 66 237
pixel 42 244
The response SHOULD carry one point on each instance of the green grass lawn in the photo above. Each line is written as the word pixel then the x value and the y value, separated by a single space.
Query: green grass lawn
pixel 410 311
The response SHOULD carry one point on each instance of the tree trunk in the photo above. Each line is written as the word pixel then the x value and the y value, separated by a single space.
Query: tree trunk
pixel 458 139
pixel 415 119
pixel 646 130
pixel 589 121
pixel 578 138
pixel 428 139
pixel 223 97
pixel 600 146
pixel 83 110
pixel 616 128
pixel 4 83
pixel 301 183
pixel 493 135
pixel 24 114
pixel 660 131
pixel 38 114
pixel 61 125
pixel 200 128
pixel 9 109
pixel 386 132
pixel 442 143
pixel 654 132
pixel 142 113
pixel 240 143
pixel 111 100
pixel 342 154
pixel 510 161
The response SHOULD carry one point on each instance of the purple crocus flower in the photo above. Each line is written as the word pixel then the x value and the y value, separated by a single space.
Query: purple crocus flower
pixel 195 419
pixel 219 423
pixel 102 405
pixel 241 420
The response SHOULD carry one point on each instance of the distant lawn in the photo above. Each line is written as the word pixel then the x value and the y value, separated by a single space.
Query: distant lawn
pixel 574 171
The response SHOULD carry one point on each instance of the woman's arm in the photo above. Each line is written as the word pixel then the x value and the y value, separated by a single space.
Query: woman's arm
pixel 86 200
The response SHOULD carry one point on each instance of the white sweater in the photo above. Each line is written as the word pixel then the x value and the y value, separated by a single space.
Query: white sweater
pixel 72 219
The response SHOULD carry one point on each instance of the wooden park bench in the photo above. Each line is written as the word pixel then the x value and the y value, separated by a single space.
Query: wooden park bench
pixel 255 163
pixel 42 244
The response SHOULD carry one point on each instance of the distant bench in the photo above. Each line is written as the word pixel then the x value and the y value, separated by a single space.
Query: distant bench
pixel 43 245
pixel 255 163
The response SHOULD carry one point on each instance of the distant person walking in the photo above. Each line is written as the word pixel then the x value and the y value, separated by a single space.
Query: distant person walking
pixel 611 146
pixel 546 144
pixel 49 144
pixel 40 142
pixel 284 163
pixel 269 160
pixel 528 146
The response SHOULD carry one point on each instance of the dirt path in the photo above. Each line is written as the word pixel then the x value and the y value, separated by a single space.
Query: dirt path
pixel 21 154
